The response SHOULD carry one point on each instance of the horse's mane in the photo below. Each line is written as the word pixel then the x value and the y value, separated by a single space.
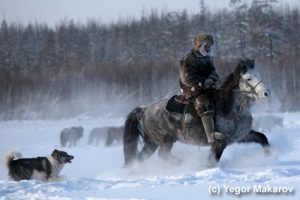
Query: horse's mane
pixel 231 82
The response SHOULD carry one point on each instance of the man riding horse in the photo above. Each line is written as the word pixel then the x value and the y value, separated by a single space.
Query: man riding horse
pixel 198 77
pixel 156 127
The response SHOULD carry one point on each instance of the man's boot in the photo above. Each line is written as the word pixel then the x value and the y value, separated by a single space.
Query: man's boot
pixel 209 127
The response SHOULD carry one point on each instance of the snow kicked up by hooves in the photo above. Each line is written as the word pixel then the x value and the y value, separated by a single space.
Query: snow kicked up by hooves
pixel 244 171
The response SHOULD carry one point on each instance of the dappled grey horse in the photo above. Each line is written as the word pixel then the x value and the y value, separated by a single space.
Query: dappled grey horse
pixel 157 127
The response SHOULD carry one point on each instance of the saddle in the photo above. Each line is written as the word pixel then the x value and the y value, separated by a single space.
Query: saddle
pixel 176 105
pixel 189 122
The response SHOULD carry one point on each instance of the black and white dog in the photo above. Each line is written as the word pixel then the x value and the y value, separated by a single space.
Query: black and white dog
pixel 40 168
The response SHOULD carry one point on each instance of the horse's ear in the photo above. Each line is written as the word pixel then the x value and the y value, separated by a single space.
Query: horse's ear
pixel 252 63
pixel 242 66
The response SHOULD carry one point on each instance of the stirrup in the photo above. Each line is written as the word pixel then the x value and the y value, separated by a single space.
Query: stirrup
pixel 219 135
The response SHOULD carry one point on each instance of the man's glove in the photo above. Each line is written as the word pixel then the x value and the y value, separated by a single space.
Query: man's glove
pixel 208 83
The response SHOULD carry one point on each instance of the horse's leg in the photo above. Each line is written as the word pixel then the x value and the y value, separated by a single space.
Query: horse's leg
pixel 109 139
pixel 216 151
pixel 147 151
pixel 257 137
pixel 164 151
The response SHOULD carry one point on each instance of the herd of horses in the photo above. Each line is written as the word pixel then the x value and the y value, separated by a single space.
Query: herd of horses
pixel 108 135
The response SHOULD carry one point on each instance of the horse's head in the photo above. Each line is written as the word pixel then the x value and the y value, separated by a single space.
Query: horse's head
pixel 245 81
pixel 250 83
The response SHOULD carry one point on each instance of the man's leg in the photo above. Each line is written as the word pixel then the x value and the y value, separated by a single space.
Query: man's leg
pixel 209 126
pixel 206 113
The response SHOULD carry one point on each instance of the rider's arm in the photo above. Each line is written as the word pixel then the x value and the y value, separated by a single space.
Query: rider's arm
pixel 190 75
pixel 214 74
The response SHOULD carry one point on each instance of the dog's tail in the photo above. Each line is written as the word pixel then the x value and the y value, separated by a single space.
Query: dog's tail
pixel 10 156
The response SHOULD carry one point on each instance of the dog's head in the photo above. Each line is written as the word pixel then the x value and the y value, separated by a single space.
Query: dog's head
pixel 62 156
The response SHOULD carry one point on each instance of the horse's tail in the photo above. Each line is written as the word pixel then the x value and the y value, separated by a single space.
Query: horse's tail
pixel 131 135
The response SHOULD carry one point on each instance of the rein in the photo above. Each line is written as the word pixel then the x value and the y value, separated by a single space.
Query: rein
pixel 242 91
pixel 233 90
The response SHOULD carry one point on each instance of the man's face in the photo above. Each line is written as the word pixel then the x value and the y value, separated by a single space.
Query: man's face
pixel 207 48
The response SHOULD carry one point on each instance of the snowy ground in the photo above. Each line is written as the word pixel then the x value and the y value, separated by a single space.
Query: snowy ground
pixel 97 173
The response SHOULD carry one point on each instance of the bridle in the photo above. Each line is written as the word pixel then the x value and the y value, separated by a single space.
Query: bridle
pixel 252 88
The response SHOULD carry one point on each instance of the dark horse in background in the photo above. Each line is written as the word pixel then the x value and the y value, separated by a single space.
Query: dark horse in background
pixel 160 128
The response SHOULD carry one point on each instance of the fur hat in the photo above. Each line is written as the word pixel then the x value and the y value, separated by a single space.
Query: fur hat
pixel 201 39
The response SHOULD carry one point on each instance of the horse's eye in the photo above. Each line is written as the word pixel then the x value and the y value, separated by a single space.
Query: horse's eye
pixel 249 79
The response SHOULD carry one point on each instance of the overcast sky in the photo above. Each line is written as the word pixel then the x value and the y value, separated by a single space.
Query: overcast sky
pixel 54 11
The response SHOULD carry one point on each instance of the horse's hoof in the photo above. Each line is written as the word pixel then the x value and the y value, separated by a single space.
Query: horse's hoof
pixel 129 164
pixel 268 150
pixel 174 160
pixel 211 161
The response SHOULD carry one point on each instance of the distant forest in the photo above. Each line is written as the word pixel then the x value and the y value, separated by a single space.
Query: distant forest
pixel 107 69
